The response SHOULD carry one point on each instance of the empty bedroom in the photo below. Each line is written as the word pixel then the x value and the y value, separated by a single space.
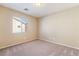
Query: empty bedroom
pixel 39 29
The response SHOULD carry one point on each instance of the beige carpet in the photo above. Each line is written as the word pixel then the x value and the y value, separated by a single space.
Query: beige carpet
pixel 39 48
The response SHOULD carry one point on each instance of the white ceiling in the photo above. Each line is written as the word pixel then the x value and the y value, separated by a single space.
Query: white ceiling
pixel 46 9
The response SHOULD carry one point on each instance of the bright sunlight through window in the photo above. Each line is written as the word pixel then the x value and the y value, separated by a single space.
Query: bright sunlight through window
pixel 17 25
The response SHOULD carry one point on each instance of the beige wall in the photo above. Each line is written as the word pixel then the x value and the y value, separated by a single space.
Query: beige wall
pixel 7 38
pixel 61 27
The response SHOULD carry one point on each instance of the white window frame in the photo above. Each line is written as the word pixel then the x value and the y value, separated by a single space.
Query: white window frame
pixel 22 24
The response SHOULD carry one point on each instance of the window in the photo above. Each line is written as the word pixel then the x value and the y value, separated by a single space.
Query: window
pixel 18 26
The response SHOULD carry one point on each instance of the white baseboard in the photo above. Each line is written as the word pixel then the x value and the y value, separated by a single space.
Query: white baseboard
pixel 18 43
pixel 60 44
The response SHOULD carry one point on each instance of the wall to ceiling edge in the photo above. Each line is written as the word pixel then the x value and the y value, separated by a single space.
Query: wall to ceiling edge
pixel 61 28
pixel 7 38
